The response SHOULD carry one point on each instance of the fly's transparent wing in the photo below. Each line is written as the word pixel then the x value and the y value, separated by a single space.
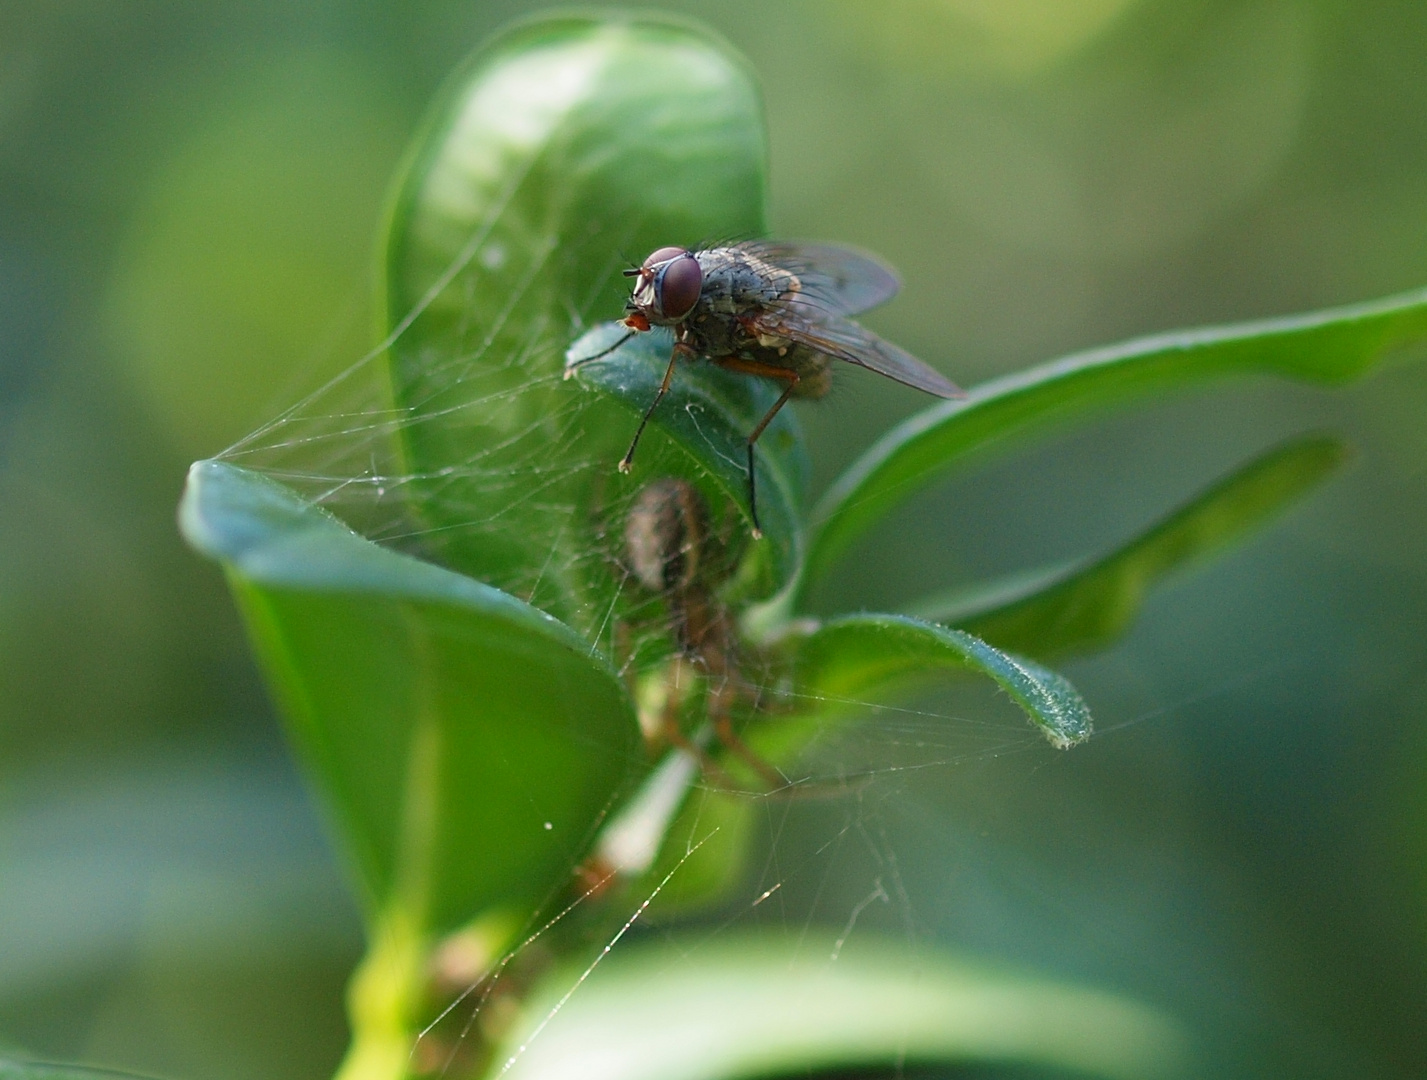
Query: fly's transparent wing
pixel 844 339
pixel 839 280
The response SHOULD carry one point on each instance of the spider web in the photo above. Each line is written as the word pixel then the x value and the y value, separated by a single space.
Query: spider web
pixel 821 871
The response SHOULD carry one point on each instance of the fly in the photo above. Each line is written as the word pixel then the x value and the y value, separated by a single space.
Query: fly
pixel 777 311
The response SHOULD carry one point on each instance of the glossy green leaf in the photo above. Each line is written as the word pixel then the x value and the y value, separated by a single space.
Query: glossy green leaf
pixel 1325 346
pixel 846 661
pixel 466 743
pixel 742 1006
pixel 708 413
pixel 1090 603
pixel 569 147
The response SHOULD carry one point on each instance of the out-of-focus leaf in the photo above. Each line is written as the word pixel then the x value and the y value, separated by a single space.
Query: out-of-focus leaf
pixel 848 660
pixel 1325 346
pixel 34 1070
pixel 568 148
pixel 1044 612
pixel 740 1006
pixel 133 868
pixel 466 743
pixel 25 1070
pixel 250 235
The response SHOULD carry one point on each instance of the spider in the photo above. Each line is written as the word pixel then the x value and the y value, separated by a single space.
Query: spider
pixel 669 550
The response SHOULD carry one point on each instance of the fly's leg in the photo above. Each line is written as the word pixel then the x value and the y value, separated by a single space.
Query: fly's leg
pixel 768 371
pixel 582 361
pixel 680 349
pixel 637 324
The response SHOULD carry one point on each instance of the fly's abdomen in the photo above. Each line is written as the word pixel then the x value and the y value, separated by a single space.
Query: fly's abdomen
pixel 814 370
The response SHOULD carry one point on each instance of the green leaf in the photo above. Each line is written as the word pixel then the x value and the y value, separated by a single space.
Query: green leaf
pixel 466 743
pixel 839 666
pixel 566 148
pixel 740 1006
pixel 708 412
pixel 835 672
pixel 1326 346
pixel 26 1070
pixel 1090 603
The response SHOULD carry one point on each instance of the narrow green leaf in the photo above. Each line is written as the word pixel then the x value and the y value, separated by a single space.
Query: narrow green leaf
pixel 1092 602
pixel 569 147
pixel 466 743
pixel 741 1006
pixel 1325 346
pixel 850 658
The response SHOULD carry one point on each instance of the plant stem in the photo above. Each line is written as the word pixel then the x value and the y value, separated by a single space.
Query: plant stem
pixel 381 1000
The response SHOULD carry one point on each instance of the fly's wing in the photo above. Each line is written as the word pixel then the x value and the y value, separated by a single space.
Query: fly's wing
pixel 839 280
pixel 844 339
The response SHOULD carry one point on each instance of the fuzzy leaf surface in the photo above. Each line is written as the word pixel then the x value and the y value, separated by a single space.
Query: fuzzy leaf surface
pixel 856 657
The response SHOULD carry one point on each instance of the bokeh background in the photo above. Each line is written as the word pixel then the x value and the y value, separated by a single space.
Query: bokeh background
pixel 189 198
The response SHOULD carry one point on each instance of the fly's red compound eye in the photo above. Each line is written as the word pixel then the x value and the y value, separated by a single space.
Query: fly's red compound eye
pixel 663 255
pixel 678 285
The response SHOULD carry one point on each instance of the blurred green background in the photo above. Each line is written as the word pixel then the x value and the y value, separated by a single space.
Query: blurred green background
pixel 189 198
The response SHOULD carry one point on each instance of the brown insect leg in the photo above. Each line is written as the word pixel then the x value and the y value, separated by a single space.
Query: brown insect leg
pixel 768 371
pixel 723 727
pixel 674 735
pixel 679 349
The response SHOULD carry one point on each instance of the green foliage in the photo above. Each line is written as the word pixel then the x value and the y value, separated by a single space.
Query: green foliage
pixel 564 149
pixel 761 1006
pixel 467 742
pixel 858 655
pixel 470 743
pixel 705 416
pixel 21 1070
pixel 1091 602
pixel 1324 346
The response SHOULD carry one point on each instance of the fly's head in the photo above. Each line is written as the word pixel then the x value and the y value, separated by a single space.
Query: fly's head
pixel 666 288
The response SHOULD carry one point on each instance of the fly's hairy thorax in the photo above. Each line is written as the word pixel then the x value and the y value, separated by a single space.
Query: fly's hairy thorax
pixel 736 285
pixel 736 282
